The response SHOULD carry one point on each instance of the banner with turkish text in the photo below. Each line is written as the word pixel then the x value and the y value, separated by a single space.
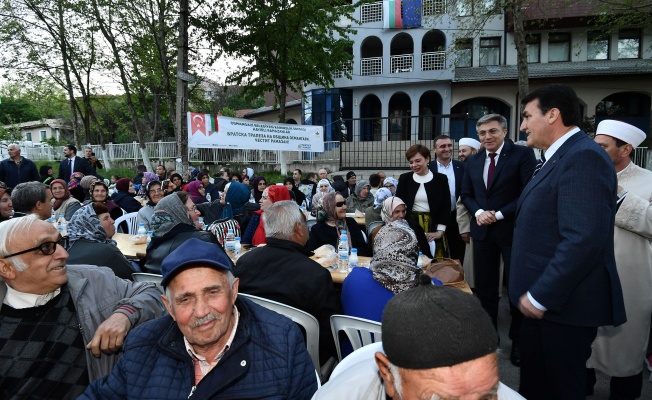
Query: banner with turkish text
pixel 212 131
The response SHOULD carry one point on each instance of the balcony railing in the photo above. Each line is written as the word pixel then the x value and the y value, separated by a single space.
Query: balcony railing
pixel 347 68
pixel 401 63
pixel 371 66
pixel 433 7
pixel 371 12
pixel 433 61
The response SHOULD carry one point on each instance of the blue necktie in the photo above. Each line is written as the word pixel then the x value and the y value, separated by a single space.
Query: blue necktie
pixel 539 165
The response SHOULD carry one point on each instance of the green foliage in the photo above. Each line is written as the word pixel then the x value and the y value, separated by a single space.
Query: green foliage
pixel 227 112
pixel 284 44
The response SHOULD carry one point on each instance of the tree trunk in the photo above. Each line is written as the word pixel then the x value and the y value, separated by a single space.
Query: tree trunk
pixel 182 87
pixel 521 50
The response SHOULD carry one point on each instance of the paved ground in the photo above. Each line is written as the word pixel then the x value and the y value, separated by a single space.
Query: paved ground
pixel 509 374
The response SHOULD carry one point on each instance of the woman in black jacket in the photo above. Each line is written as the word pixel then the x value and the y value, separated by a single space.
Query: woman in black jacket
pixel 125 196
pixel 426 196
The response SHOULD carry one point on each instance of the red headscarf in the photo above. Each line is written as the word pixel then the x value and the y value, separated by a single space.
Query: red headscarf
pixel 275 193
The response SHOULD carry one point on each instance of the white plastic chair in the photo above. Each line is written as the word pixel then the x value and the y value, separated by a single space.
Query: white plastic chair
pixel 360 331
pixel 147 277
pixel 373 226
pixel 307 321
pixel 132 223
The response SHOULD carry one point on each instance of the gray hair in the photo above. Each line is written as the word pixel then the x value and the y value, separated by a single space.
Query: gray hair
pixel 280 219
pixel 489 118
pixel 398 383
pixel 26 195
pixel 16 146
pixel 12 228
pixel 229 276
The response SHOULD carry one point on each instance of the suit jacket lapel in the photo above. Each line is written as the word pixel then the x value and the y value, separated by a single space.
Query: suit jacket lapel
pixel 548 167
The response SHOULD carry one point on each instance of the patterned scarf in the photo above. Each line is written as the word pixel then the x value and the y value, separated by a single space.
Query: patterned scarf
pixel 75 178
pixel 394 265
pixel 389 205
pixel 168 213
pixel 85 224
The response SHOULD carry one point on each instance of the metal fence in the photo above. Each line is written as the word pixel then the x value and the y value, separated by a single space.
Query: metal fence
pixel 380 143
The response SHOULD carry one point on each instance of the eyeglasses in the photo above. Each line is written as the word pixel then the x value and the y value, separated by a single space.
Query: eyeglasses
pixel 340 203
pixel 194 209
pixel 47 248
pixel 156 191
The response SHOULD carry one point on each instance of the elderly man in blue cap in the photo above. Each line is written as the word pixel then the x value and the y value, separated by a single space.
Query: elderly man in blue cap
pixel 213 344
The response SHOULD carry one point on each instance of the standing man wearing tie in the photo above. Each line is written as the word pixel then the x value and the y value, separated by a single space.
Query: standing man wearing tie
pixel 563 276
pixel 454 171
pixel 493 182
pixel 71 163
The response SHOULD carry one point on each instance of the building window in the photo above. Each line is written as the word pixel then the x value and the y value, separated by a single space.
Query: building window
pixel 371 12
pixel 489 51
pixel 629 43
pixel 559 47
pixel 597 46
pixel 43 135
pixel 533 45
pixel 464 51
pixel 464 8
pixel 28 136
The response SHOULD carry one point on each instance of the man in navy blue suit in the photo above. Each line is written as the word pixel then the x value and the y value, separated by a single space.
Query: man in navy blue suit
pixel 71 163
pixel 454 170
pixel 492 185
pixel 563 276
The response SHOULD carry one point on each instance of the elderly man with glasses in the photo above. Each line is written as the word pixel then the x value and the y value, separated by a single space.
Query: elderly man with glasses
pixel 60 325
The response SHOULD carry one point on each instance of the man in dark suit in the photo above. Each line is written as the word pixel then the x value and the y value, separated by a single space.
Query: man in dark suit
pixel 71 163
pixel 454 171
pixel 492 184
pixel 563 276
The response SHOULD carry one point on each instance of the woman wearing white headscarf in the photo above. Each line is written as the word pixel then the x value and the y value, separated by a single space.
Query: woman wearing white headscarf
pixel 323 187
pixel 394 209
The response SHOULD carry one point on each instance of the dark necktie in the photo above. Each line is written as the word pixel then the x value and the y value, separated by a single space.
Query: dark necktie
pixel 70 165
pixel 539 165
pixel 492 168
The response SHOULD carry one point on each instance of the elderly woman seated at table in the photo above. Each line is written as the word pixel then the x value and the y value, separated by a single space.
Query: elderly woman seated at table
pixel 393 269
pixel 323 187
pixel 125 195
pixel 331 222
pixel 394 209
pixel 99 191
pixel 154 192
pixel 255 233
pixel 63 205
pixel 361 199
pixel 90 231
pixel 175 220
pixel 373 214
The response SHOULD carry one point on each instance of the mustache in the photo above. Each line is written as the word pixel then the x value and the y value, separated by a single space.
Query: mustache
pixel 203 320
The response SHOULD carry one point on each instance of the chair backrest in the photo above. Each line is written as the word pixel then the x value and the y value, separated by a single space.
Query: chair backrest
pixel 132 222
pixel 307 321
pixel 373 226
pixel 360 331
pixel 363 353
pixel 147 277
pixel 310 223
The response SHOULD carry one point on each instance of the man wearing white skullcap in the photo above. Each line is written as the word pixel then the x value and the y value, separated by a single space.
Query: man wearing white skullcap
pixel 618 351
pixel 467 148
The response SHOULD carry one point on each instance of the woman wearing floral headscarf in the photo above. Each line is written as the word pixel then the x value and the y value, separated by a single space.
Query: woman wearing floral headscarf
pixel 90 231
pixel 99 191
pixel 393 269
pixel 331 222
pixel 394 209
pixel 255 233
pixel 63 205
pixel 323 187
pixel 74 186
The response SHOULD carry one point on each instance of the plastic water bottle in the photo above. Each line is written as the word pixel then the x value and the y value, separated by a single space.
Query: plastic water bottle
pixel 353 259
pixel 149 237
pixel 229 241
pixel 343 254
pixel 303 206
pixel 62 226
pixel 237 247
pixel 201 223
pixel 208 197
pixel 141 230
pixel 420 261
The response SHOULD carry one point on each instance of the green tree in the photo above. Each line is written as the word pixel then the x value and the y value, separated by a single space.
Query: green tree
pixel 284 44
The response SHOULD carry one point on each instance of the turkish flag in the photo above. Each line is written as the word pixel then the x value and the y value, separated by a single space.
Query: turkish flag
pixel 198 123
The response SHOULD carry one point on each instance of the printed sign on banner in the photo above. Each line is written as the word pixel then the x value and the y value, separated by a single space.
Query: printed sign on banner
pixel 212 131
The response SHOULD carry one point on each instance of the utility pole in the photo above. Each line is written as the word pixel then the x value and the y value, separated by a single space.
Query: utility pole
pixel 182 85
